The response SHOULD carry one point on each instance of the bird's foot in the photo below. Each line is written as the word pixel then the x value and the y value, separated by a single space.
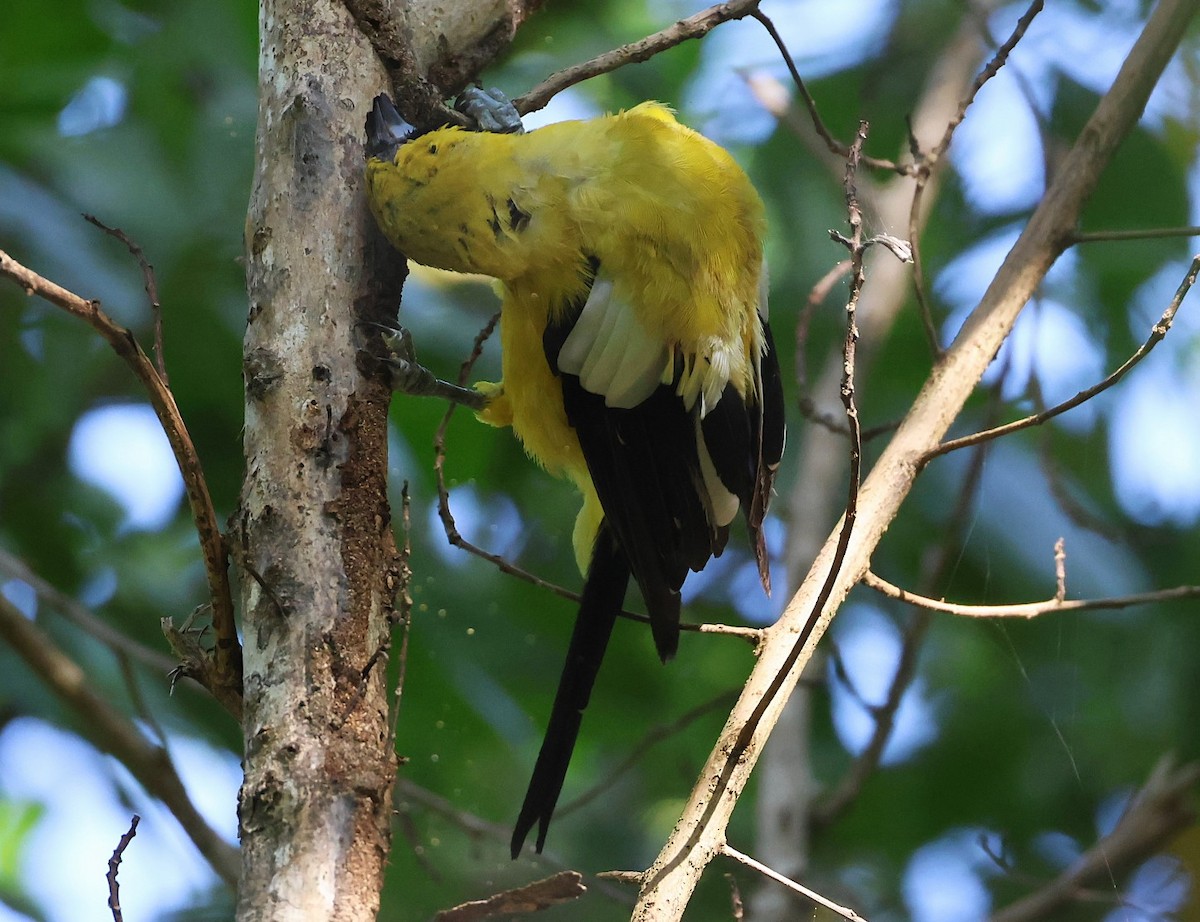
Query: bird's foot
pixel 490 110
pixel 408 376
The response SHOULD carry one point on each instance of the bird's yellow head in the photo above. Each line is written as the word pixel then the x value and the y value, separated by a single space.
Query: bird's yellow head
pixel 444 197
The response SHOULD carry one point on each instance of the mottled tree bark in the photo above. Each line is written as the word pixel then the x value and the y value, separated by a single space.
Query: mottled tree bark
pixel 313 533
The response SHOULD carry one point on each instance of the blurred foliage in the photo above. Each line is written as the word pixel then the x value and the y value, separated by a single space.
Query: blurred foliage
pixel 1038 725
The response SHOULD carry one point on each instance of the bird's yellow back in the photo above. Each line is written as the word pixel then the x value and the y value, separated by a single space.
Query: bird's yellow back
pixel 669 212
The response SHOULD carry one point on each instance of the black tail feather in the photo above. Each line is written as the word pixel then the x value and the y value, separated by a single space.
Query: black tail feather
pixel 603 596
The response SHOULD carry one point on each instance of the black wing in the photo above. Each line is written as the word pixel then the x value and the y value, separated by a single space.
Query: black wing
pixel 648 463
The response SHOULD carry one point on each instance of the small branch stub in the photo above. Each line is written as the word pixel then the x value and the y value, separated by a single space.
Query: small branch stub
pixel 114 865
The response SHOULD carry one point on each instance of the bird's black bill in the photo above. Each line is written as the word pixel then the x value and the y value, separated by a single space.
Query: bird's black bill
pixel 386 130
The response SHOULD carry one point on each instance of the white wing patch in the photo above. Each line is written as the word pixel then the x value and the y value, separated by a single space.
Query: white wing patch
pixel 722 504
pixel 705 376
pixel 610 351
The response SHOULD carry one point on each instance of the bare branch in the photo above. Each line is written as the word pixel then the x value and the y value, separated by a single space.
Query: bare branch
pixel 227 654
pixel 1155 815
pixel 1152 233
pixel 927 161
pixel 114 864
pixel 999 59
pixel 1157 333
pixel 563 887
pixel 112 732
pixel 699 834
pixel 695 26
pixel 151 285
pixel 1028 609
pixel 835 146
pixel 730 852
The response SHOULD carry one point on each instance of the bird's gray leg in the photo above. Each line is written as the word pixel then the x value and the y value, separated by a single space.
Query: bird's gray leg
pixel 407 376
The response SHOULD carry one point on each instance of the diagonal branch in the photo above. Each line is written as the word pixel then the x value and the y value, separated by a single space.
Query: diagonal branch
pixel 226 686
pixel 842 911
pixel 112 732
pixel 644 49
pixel 700 833
pixel 1158 332
pixel 1028 609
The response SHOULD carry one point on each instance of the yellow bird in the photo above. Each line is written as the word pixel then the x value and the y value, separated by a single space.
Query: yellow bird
pixel 637 360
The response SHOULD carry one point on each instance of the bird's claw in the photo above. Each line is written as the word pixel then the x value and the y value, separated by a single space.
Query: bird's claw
pixel 490 110
pixel 408 376
pixel 405 373
pixel 399 343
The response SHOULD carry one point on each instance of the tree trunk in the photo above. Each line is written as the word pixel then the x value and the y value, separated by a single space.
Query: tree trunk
pixel 313 535
pixel 315 808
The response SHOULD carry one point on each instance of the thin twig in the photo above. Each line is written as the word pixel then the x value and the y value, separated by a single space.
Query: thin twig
pixel 999 59
pixel 652 738
pixel 114 733
pixel 1028 609
pixel 114 865
pixel 151 286
pixel 227 652
pixel 563 887
pixel 835 146
pixel 1150 233
pixel 1155 815
pixel 730 852
pixel 695 26
pixel 1157 333
pixel 503 564
pixel 927 162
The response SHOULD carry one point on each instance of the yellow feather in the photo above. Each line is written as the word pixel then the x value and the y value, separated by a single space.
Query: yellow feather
pixel 669 215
